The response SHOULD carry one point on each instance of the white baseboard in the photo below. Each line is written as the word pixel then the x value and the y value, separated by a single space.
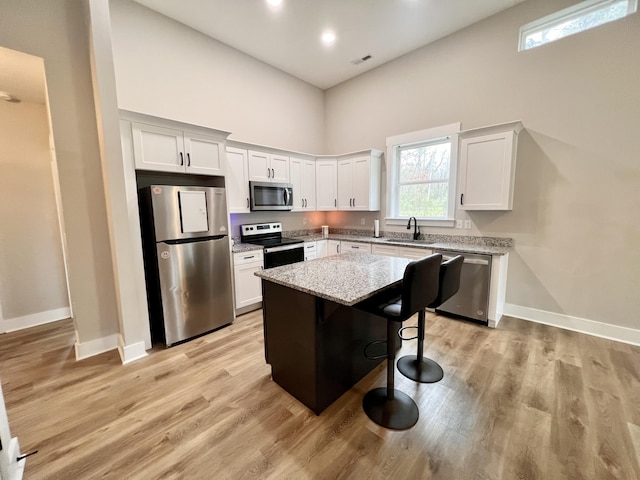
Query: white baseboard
pixel 130 353
pixel 13 470
pixel 577 324
pixel 18 323
pixel 96 346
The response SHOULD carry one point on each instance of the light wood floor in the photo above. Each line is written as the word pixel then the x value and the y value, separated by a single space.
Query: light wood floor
pixel 524 401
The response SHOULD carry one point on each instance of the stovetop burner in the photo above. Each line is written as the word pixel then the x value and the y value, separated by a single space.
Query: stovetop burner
pixel 265 234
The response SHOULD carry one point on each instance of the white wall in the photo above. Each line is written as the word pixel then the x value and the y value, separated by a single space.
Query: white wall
pixel 576 198
pixel 166 69
pixel 56 31
pixel 32 275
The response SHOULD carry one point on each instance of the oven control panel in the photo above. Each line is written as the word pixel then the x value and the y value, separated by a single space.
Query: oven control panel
pixel 260 229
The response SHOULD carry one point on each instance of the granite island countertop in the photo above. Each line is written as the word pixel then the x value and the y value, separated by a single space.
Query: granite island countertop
pixel 345 279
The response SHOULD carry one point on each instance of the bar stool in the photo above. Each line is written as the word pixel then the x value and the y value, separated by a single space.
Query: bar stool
pixel 417 367
pixel 386 406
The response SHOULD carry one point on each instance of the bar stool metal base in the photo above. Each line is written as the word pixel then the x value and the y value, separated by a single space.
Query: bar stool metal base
pixel 398 413
pixel 423 370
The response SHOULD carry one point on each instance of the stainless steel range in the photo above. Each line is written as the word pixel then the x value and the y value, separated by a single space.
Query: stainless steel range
pixel 278 250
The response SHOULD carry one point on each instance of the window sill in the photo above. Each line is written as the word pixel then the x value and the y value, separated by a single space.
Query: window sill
pixel 422 222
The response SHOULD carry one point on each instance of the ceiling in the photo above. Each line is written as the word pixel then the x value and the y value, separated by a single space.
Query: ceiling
pixel 22 75
pixel 288 37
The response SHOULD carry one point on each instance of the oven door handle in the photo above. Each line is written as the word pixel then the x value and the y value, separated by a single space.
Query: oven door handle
pixel 283 248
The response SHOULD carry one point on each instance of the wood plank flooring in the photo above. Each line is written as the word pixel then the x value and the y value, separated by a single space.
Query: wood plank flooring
pixel 524 401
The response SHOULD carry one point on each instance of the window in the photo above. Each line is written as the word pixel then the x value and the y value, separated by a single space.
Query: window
pixel 421 176
pixel 575 19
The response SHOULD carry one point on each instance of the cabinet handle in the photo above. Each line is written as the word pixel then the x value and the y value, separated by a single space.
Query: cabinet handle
pixel 461 199
pixel 247 258
pixel 188 159
pixel 181 159
pixel 273 173
pixel 335 202
pixel 247 203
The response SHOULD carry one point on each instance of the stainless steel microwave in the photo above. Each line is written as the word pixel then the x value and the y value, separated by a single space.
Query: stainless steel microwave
pixel 271 196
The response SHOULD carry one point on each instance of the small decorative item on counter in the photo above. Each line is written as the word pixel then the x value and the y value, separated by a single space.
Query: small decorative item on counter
pixel 325 231
pixel 376 228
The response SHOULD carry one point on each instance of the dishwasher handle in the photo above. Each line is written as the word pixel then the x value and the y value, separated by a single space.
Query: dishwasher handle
pixel 473 261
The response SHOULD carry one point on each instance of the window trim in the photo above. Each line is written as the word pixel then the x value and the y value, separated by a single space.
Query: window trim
pixel 575 11
pixel 421 136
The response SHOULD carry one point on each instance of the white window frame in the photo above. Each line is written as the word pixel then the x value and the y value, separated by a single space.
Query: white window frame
pixel 422 136
pixel 571 13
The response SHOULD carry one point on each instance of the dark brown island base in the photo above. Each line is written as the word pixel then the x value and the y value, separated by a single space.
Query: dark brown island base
pixel 315 334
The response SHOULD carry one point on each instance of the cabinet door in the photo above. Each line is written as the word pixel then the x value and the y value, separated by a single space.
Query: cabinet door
pixel 345 185
pixel 295 176
pixel 237 180
pixel 310 250
pixel 279 165
pixel 361 168
pixel 203 155
pixel 487 168
pixel 321 248
pixel 259 168
pixel 326 184
pixel 248 286
pixel 333 247
pixel 158 148
pixel 309 184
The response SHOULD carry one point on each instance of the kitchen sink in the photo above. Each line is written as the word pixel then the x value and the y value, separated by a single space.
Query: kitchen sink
pixel 404 240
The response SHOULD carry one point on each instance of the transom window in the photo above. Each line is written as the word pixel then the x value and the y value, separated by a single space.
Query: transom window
pixel 575 19
pixel 421 174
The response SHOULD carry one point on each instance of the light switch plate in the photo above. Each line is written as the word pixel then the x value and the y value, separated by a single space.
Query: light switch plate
pixel 458 223
pixel 467 224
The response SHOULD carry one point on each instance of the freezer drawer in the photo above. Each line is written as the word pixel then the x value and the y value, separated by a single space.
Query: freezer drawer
pixel 195 286
pixel 472 300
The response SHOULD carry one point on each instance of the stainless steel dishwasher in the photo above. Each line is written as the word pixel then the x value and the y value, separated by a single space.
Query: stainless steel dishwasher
pixel 472 300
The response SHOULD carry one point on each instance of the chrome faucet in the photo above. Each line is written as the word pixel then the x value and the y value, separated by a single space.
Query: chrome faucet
pixel 416 228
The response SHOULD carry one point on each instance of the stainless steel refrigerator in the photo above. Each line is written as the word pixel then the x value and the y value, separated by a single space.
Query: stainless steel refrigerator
pixel 187 260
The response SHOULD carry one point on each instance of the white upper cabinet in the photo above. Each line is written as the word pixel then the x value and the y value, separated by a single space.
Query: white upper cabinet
pixel 237 180
pixel 488 167
pixel 302 175
pixel 167 149
pixel 267 167
pixel 359 182
pixel 326 184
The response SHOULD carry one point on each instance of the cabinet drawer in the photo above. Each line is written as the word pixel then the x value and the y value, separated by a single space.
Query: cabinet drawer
pixel 252 256
pixel 309 246
pixel 355 247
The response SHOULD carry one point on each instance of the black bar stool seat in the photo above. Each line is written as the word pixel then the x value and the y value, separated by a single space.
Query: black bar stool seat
pixel 386 406
pixel 418 367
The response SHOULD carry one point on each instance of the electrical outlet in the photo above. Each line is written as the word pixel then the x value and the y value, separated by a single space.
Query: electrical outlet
pixel 458 223
pixel 362 221
pixel 304 221
pixel 467 224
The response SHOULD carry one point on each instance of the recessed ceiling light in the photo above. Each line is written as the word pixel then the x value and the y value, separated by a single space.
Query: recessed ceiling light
pixel 274 3
pixel 328 38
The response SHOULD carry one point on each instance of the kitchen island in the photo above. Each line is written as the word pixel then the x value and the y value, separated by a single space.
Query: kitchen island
pixel 315 331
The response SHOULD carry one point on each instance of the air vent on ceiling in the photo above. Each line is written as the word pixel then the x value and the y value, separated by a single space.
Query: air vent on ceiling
pixel 358 61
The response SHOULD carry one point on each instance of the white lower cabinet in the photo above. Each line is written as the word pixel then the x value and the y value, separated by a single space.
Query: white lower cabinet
pixel 321 248
pixel 355 247
pixel 310 251
pixel 248 286
pixel 398 251
pixel 333 247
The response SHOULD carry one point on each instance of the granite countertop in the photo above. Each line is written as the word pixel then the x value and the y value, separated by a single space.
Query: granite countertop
pixel 345 279
pixel 450 243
